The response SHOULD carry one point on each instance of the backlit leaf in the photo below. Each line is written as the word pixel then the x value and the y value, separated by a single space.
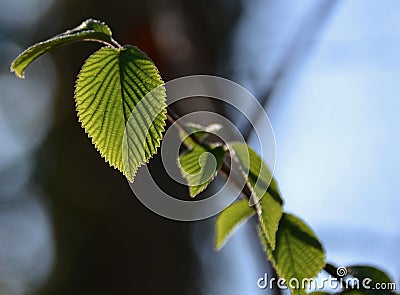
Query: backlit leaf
pixel 229 219
pixel 298 254
pixel 89 30
pixel 265 193
pixel 200 165
pixel 114 106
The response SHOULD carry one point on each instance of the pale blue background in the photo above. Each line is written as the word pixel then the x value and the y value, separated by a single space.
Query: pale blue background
pixel 336 116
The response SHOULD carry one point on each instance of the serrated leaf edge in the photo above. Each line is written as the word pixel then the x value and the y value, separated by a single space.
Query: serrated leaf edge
pixel 157 142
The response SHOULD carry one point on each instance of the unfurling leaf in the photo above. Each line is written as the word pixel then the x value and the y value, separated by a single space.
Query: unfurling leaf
pixel 263 187
pixel 229 219
pixel 197 131
pixel 201 132
pixel 200 165
pixel 89 30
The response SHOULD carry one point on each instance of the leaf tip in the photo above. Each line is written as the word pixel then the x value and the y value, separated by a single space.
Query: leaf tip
pixel 130 178
pixel 13 69
pixel 218 246
pixel 192 192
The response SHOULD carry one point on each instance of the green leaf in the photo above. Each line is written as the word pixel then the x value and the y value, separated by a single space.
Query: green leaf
pixel 200 165
pixel 89 30
pixel 298 254
pixel 230 219
pixel 124 122
pixel 377 276
pixel 264 189
pixel 319 293
pixel 364 271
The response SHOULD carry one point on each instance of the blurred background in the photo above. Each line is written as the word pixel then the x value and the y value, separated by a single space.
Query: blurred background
pixel 327 73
